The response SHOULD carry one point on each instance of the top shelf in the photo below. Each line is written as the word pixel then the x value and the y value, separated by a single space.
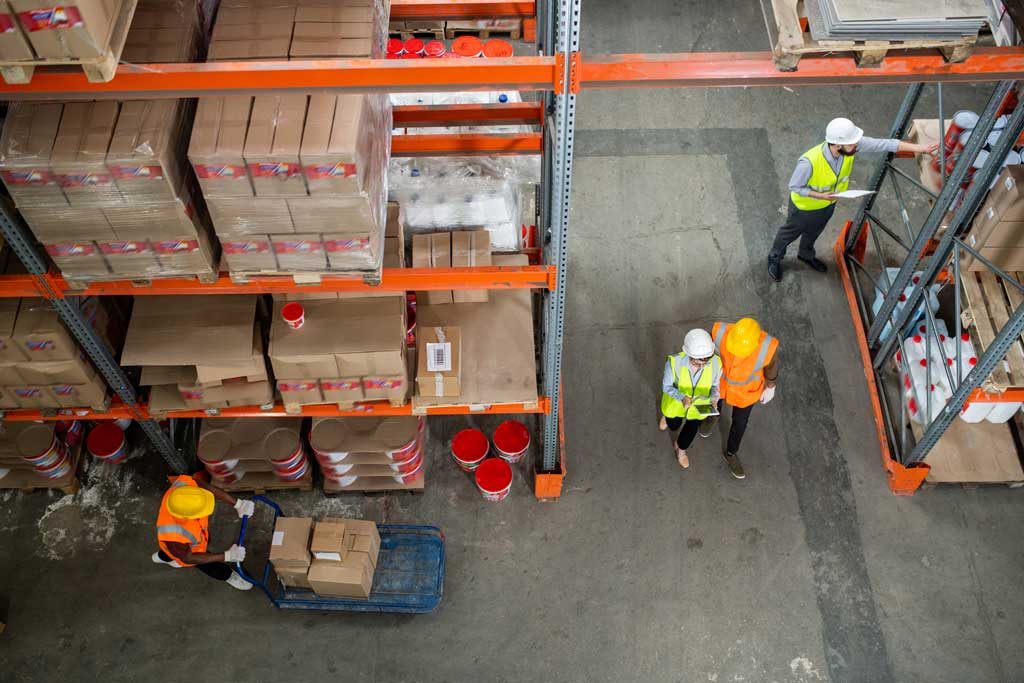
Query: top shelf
pixel 404 10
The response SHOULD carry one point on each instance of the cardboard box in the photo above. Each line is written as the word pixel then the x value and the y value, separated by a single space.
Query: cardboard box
pixel 10 350
pixel 261 216
pixel 289 547
pixel 153 222
pixel 251 13
pixel 334 13
pixel 130 258
pixel 185 255
pixel 336 215
pixel 311 366
pixel 248 254
pixel 81 30
pixel 272 145
pixel 93 393
pixel 153 375
pixel 395 222
pixel 68 224
pixel 14 45
pixel 301 391
pixel 323 30
pixel 293 578
pixel 26 146
pixel 9 375
pixel 433 250
pixel 332 157
pixel 1007 258
pixel 341 390
pixel 329 541
pixel 244 438
pixel 145 155
pixel 470 248
pixel 159 45
pixel 1007 195
pixel 990 229
pixel 299 252
pixel 40 333
pixel 439 361
pixel 78 259
pixel 306 48
pixel 394 389
pixel 253 31
pixel 80 150
pixel 32 396
pixel 253 369
pixel 7 399
pixel 234 392
pixel 349 579
pixel 77 371
pixel 352 252
pixel 362 536
pixel 215 149
pixel 375 363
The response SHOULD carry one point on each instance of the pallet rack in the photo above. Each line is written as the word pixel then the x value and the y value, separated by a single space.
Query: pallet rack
pixel 559 72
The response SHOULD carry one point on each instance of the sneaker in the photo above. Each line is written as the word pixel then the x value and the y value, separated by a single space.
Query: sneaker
pixel 159 560
pixel 236 581
pixel 735 468
pixel 815 263
pixel 707 427
pixel 663 423
pixel 681 458
pixel 775 270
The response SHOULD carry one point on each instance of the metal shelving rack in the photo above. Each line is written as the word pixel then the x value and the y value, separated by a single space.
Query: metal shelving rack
pixel 933 249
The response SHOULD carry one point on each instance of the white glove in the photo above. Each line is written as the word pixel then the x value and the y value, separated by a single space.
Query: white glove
pixel 768 394
pixel 245 507
pixel 235 553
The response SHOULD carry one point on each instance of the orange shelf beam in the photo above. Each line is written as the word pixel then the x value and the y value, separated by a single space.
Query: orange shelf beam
pixel 117 411
pixel 381 409
pixel 402 10
pixel 17 286
pixel 465 144
pixel 439 115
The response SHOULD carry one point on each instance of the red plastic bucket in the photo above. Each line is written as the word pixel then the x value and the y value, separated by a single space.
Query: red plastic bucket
pixel 434 49
pixel 395 46
pixel 496 48
pixel 411 55
pixel 106 442
pixel 468 46
pixel 494 479
pixel 59 468
pixel 511 440
pixel 414 46
pixel 294 472
pixel 411 465
pixel 470 447
pixel 293 314
pixel 409 477
pixel 70 431
pixel 47 456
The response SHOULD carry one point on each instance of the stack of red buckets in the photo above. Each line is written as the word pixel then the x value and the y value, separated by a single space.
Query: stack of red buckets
pixel 463 46
pixel 471 448
pixel 406 461
pixel 53 459
pixel 292 464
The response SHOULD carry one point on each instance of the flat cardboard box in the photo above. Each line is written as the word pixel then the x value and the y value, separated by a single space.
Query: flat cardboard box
pixel 235 392
pixel 250 253
pixel 185 255
pixel 331 154
pixel 348 252
pixel 306 48
pixel 14 46
pixel 10 350
pixel 32 396
pixel 299 252
pixel 40 333
pixel 145 150
pixel 77 371
pixel 260 216
pixel 371 363
pixel 328 542
pixel 68 224
pixel 80 150
pixel 293 578
pixel 81 30
pixel 341 215
pixel 93 393
pixel 215 149
pixel 253 370
pixel 363 434
pixel 376 484
pixel 78 259
pixel 160 45
pixel 289 547
pixel 246 438
pixel 157 221
pixel 26 146
pixel 433 250
pixel 439 361
pixel 470 248
pixel 342 390
pixel 301 391
pixel 9 375
pixel 393 389
pixel 214 329
pixel 153 375
pixel 230 50
pixel 394 254
pixel 321 30
pixel 349 579
pixel 249 13
pixel 256 31
pixel 395 222
pixel 334 13
pixel 130 258
pixel 272 145
pixel 312 366
pixel 7 399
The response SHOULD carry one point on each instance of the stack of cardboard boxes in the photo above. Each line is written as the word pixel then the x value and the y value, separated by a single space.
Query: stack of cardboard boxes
pixel 333 557
pixel 37 29
pixel 41 365
pixel 262 453
pixel 163 32
pixel 463 248
pixel 998 229
pixel 203 352
pixel 369 453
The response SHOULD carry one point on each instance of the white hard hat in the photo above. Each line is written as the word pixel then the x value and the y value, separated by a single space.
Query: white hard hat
pixel 842 132
pixel 697 344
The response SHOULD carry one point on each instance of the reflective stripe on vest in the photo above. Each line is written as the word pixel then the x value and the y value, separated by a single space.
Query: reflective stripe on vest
pixel 177 529
pixel 699 392
pixel 823 179
pixel 762 357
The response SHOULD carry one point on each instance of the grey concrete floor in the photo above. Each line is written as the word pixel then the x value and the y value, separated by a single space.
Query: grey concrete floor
pixel 808 570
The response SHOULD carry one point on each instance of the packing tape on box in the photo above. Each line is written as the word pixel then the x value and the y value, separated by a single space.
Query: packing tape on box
pixel 439 384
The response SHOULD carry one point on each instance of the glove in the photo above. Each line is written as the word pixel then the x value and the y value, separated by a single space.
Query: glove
pixel 768 394
pixel 244 507
pixel 235 553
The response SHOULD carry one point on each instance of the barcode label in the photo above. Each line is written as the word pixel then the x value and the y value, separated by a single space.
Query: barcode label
pixel 439 357
pixel 278 538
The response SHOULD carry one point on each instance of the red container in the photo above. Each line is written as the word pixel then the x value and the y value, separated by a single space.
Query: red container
pixel 395 47
pixel 59 468
pixel 294 314
pixel 411 55
pixel 70 431
pixel 106 442
pixel 496 48
pixel 414 46
pixel 293 472
pixel 511 440
pixel 494 479
pixel 468 46
pixel 470 447
pixel 962 121
pixel 220 467
pixel 48 456
pixel 411 465
pixel 435 49
pixel 409 477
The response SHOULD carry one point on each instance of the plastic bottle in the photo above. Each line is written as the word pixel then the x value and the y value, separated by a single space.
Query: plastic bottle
pixel 937 404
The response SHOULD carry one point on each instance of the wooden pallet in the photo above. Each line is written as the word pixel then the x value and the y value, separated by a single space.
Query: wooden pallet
pixel 261 482
pixel 79 283
pixel 988 303
pixel 28 480
pixel 453 30
pixel 370 277
pixel 296 408
pixel 786 21
pixel 97 69
pixel 70 413
pixel 974 454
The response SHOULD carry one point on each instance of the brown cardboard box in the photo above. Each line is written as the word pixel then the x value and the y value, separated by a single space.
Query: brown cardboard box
pixel 362 536
pixel 375 363
pixel 272 145
pixel 81 30
pixel 145 156
pixel 68 224
pixel 332 157
pixel 230 50
pixel 289 547
pixel 1007 195
pixel 306 48
pixel 277 12
pixel 32 396
pixel 26 146
pixel 93 393
pixel 40 333
pixel 321 30
pixel 252 31
pixel 1007 258
pixel 293 578
pixel 352 252
pixel 252 253
pixel 433 250
pixel 341 215
pixel 395 225
pixel 470 248
pixel 80 150
pixel 328 542
pixel 301 391
pixel 252 369
pixel 394 389
pixel 244 438
pixel 351 579
pixel 185 254
pixel 9 375
pixel 439 361
pixel 236 392
pixel 77 371
pixel 341 390
pixel 131 258
pixel 304 366
pixel 334 13
pixel 394 256
pixel 156 221
pixel 153 375
pixel 78 259
pixel 14 45
pixel 159 45
pixel 990 229
pixel 10 350
pixel 7 399
pixel 215 149
pixel 297 252
pixel 260 216
pixel 362 434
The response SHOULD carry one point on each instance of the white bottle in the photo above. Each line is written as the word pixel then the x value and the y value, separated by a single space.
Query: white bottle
pixel 937 403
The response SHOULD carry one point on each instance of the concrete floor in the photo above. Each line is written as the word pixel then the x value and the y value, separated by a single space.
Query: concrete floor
pixel 808 570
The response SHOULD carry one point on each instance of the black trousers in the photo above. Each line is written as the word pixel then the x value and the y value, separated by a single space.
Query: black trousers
pixel 215 570
pixel 740 416
pixel 688 431
pixel 807 225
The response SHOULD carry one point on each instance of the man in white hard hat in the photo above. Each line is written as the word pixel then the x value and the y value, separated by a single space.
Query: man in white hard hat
pixel 821 173
pixel 690 390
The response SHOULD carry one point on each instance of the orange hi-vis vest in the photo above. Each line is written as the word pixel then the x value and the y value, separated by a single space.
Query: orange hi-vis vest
pixel 743 378
pixel 171 529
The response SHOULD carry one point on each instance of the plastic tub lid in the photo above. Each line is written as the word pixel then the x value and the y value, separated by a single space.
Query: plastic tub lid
pixel 494 475
pixel 414 45
pixel 281 444
pixel 411 55
pixel 435 48
pixel 467 46
pixel 497 48
pixel 35 440
pixel 395 46
pixel 511 437
pixel 105 439
pixel 213 446
pixel 470 445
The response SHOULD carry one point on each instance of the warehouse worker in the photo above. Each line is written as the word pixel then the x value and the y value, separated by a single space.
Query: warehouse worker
pixel 183 530
pixel 749 370
pixel 821 173
pixel 690 390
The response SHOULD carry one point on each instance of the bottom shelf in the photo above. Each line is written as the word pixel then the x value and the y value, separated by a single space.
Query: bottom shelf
pixel 981 453
pixel 258 482
pixel 30 480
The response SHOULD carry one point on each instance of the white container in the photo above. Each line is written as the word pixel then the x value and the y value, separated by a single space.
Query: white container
pixel 976 412
pixel 1002 412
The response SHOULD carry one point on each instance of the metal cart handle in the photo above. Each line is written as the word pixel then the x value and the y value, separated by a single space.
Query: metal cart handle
pixel 241 542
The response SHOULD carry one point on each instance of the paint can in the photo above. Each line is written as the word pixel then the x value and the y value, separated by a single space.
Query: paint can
pixel 411 476
pixel 293 314
pixel 511 440
pixel 468 46
pixel 494 479
pixel 434 49
pixel 70 431
pixel 58 469
pixel 106 442
pixel 414 46
pixel 395 47
pixel 495 48
pixel 411 55
pixel 39 446
pixel 283 447
pixel 470 447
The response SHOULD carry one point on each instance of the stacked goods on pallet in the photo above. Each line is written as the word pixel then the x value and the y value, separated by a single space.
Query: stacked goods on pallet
pixel 163 32
pixel 344 351
pixel 334 557
pixel 34 455
pixel 255 454
pixel 199 352
pixel 38 30
pixel 41 365
pixel 296 183
pixel 460 249
pixel 998 229
pixel 370 453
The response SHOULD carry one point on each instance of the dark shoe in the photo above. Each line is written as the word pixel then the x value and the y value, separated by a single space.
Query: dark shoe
pixel 775 270
pixel 735 468
pixel 707 427
pixel 815 263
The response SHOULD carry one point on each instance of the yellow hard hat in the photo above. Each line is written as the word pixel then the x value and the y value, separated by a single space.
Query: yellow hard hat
pixel 190 502
pixel 743 338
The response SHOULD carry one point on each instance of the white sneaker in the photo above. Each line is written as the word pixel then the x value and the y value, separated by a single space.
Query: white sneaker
pixel 159 560
pixel 236 581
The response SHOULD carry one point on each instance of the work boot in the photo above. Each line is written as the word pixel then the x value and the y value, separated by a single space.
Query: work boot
pixel 775 269
pixel 681 458
pixel 707 426
pixel 735 468
pixel 236 581
pixel 815 263
pixel 663 423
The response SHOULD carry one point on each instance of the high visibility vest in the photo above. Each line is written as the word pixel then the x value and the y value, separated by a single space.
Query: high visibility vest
pixel 743 378
pixel 701 393
pixel 823 179
pixel 171 529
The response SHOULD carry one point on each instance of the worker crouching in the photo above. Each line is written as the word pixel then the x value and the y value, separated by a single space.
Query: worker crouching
pixel 690 390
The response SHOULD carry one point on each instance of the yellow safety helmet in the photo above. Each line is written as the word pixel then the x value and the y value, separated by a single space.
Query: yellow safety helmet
pixel 743 338
pixel 190 502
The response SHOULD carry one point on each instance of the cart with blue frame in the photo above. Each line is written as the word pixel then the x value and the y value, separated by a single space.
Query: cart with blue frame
pixel 409 577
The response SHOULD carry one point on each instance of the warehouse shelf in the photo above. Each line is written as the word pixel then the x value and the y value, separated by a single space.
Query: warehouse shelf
pixel 492 114
pixel 402 10
pixel 466 144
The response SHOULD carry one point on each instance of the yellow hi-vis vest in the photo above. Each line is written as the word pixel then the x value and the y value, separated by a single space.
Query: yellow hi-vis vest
pixel 701 393
pixel 823 179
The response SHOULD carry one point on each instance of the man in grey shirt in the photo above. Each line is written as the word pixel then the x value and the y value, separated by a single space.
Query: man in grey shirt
pixel 821 173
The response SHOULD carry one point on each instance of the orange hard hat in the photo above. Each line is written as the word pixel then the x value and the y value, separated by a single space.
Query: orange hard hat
pixel 743 337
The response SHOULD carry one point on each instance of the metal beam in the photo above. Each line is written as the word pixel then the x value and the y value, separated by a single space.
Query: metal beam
pixel 465 144
pixel 442 115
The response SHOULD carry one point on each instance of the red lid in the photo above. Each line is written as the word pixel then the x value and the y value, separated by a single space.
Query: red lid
pixel 494 475
pixel 105 439
pixel 496 48
pixel 434 48
pixel 924 363
pixel 917 339
pixel 411 55
pixel 395 46
pixel 511 437
pixel 470 445
pixel 972 361
pixel 414 45
pixel 292 311
pixel 391 56
pixel 467 46
pixel 903 297
pixel 966 336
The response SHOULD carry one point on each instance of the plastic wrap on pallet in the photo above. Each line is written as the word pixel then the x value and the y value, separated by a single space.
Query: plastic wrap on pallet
pixel 79 154
pixel 79 31
pixel 26 146
pixel 162 32
pixel 146 155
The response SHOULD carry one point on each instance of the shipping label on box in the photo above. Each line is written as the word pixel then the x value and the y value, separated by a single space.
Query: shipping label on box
pixel 342 390
pixel 300 391
pixel 439 361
